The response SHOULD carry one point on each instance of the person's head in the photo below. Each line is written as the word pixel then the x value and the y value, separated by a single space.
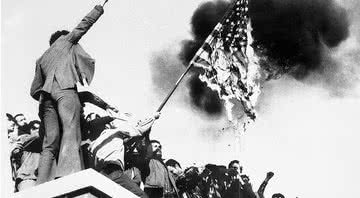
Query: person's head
pixel 20 119
pixel 56 35
pixel 277 195
pixel 174 167
pixel 235 164
pixel 108 126
pixel 115 124
pixel 10 126
pixel 10 123
pixel 92 116
pixel 155 149
pixel 34 127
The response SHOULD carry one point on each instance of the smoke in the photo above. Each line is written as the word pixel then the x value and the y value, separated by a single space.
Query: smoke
pixel 203 97
pixel 203 21
pixel 166 68
pixel 298 38
pixel 293 37
pixel 293 34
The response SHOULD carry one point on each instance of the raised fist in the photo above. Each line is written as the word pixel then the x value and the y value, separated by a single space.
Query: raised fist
pixel 269 175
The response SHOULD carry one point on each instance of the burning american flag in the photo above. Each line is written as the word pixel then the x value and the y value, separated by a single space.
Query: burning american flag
pixel 230 66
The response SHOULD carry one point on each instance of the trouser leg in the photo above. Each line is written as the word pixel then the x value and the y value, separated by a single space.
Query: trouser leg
pixel 51 142
pixel 68 106
pixel 154 192
pixel 120 178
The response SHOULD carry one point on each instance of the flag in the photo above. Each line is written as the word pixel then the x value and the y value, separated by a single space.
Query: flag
pixel 228 61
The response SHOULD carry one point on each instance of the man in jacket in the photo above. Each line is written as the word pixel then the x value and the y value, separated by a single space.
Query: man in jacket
pixel 158 181
pixel 241 186
pixel 58 70
pixel 109 151
pixel 25 155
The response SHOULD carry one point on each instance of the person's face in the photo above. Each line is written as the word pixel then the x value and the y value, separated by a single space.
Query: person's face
pixel 175 170
pixel 156 149
pixel 116 124
pixel 93 116
pixel 237 167
pixel 11 126
pixel 88 119
pixel 21 120
pixel 35 129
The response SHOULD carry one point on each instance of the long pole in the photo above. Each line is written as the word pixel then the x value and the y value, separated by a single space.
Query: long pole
pixel 191 63
pixel 176 85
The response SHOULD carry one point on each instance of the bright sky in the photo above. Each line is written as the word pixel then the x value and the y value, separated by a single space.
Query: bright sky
pixel 304 135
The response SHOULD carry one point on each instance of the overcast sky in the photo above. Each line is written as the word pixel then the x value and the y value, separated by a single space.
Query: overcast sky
pixel 304 134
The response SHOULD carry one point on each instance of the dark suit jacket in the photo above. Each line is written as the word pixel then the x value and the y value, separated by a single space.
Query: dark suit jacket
pixel 154 172
pixel 66 60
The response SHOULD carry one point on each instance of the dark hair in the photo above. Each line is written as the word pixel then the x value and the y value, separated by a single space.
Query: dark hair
pixel 89 115
pixel 32 123
pixel 278 195
pixel 56 35
pixel 154 141
pixel 17 115
pixel 172 162
pixel 233 162
pixel 10 117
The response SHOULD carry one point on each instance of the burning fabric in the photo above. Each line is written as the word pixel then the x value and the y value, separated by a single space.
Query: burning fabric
pixel 229 64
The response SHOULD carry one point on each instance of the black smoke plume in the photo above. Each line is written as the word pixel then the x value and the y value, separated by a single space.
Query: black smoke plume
pixel 290 35
pixel 203 22
pixel 294 33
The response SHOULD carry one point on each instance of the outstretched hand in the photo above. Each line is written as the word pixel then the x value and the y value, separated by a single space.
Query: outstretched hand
pixel 112 111
pixel 245 179
pixel 269 175
pixel 113 108
pixel 157 115
pixel 18 147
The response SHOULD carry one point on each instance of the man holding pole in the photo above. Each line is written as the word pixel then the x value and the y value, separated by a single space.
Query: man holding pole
pixel 58 70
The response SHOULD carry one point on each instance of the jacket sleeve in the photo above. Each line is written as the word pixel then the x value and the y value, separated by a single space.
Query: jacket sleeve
pixel 85 24
pixel 37 83
pixel 97 126
pixel 247 187
pixel 86 96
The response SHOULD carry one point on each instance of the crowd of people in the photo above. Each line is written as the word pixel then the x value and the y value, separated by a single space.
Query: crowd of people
pixel 65 140
pixel 121 149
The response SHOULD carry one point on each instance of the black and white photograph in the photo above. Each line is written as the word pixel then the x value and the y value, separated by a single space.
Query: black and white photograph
pixel 180 98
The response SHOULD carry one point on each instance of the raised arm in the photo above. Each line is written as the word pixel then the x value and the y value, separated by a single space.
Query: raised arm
pixel 86 96
pixel 86 23
pixel 263 185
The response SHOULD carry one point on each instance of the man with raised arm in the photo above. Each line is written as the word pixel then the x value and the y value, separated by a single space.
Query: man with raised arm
pixel 57 71
pixel 109 151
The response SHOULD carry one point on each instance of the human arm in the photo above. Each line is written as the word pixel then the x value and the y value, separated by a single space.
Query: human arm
pixel 86 23
pixel 262 187
pixel 96 126
pixel 86 96
pixel 37 82
pixel 21 144
pixel 247 187
pixel 145 125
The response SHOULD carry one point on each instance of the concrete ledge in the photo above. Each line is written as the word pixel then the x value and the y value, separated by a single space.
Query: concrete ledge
pixel 86 183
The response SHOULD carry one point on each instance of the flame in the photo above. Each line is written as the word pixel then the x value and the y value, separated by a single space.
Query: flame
pixel 242 85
